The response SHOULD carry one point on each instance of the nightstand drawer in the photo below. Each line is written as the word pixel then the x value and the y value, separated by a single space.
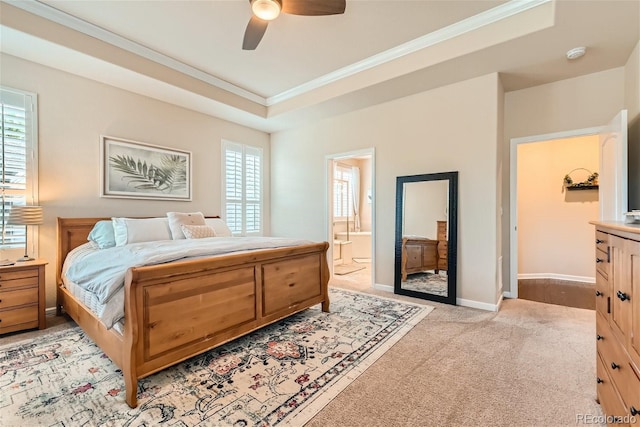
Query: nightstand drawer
pixel 26 317
pixel 19 274
pixel 18 297
pixel 18 279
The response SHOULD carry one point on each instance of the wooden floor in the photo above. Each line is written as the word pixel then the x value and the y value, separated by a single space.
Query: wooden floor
pixel 559 292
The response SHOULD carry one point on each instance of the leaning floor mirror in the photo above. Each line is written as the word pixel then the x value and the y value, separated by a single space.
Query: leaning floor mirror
pixel 426 236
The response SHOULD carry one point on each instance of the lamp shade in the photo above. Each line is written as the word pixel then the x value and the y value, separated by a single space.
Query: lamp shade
pixel 25 215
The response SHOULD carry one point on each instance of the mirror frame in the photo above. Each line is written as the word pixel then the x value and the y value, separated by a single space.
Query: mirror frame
pixel 452 228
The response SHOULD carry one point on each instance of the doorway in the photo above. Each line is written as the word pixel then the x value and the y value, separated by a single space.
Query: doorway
pixel 350 218
pixel 557 196
pixel 611 193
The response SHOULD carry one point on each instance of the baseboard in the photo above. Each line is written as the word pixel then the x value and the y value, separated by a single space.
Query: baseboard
pixel 507 295
pixel 477 304
pixel 459 301
pixel 555 276
pixel 382 287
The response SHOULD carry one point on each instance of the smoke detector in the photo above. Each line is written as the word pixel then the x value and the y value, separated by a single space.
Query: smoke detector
pixel 576 52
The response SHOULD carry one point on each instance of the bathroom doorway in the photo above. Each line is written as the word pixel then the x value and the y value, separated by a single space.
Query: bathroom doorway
pixel 350 221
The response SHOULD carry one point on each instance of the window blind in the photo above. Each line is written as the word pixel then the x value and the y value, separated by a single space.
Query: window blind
pixel 17 159
pixel 342 203
pixel 242 168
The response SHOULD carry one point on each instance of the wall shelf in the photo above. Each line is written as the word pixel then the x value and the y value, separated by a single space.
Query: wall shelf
pixel 582 187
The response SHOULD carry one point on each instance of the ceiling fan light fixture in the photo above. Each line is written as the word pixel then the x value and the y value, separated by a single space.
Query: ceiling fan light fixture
pixel 267 10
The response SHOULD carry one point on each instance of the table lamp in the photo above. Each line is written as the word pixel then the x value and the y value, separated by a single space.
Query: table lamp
pixel 25 215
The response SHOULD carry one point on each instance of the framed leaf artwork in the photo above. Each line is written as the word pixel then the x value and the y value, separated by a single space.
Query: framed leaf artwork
pixel 135 170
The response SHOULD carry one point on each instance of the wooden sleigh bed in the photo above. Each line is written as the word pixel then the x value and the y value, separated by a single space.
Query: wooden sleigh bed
pixel 177 310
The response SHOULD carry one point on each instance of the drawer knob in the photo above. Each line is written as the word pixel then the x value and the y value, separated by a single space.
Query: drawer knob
pixel 614 365
pixel 622 296
pixel 599 260
pixel 599 337
pixel 599 380
pixel 634 411
pixel 598 293
pixel 598 241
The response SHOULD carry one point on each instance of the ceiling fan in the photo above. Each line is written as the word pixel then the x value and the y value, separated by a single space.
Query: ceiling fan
pixel 268 10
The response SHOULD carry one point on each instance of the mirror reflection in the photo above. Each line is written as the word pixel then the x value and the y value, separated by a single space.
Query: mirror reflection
pixel 425 214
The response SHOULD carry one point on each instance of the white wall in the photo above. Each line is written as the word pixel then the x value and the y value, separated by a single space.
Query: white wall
pixel 578 103
pixel 555 238
pixel 452 128
pixel 74 112
pixel 425 203
pixel 632 84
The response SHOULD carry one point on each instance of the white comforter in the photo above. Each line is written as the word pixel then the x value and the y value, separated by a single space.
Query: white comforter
pixel 102 271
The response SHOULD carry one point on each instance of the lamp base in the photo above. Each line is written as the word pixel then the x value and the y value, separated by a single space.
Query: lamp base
pixel 25 258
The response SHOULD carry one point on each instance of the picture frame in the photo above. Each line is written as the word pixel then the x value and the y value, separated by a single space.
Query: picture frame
pixel 137 170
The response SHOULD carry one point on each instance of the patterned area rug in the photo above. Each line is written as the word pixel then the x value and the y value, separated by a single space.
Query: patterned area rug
pixel 427 282
pixel 282 374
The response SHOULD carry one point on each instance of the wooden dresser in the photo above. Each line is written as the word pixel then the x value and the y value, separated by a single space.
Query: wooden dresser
pixel 418 254
pixel 22 296
pixel 443 245
pixel 617 258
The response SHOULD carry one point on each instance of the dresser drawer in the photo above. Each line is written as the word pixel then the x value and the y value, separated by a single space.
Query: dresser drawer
pixel 632 398
pixel 18 297
pixel 602 263
pixel 26 317
pixel 602 241
pixel 602 295
pixel 615 359
pixel 607 394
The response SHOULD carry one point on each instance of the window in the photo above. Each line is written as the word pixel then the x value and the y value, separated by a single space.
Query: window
pixel 242 192
pixel 342 202
pixel 18 159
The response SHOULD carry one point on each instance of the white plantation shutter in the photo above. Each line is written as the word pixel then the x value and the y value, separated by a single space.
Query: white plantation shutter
pixel 18 174
pixel 242 172
pixel 342 203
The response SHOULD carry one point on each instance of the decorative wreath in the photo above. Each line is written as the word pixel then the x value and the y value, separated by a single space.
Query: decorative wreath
pixel 592 179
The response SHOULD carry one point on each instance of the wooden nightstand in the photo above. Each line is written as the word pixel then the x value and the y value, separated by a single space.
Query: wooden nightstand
pixel 22 296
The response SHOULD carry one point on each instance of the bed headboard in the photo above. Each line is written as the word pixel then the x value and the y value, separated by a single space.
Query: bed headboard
pixel 73 232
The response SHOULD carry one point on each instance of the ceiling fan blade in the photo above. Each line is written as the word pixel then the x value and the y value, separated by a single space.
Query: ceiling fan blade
pixel 254 32
pixel 313 7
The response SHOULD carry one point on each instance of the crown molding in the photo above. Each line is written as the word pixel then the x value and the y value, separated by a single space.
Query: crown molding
pixel 55 15
pixel 472 23
pixel 506 10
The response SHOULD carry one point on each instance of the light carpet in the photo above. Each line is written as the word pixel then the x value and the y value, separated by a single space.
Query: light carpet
pixel 433 283
pixel 282 374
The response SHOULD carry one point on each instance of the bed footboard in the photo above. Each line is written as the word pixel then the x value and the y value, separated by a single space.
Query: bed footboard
pixel 177 310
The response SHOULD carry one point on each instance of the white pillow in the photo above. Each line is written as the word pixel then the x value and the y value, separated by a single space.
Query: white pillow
pixel 219 226
pixel 176 219
pixel 197 231
pixel 134 230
